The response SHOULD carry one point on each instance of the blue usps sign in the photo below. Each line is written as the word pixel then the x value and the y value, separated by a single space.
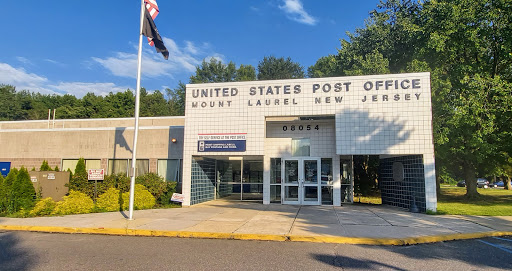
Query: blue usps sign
pixel 5 167
pixel 221 143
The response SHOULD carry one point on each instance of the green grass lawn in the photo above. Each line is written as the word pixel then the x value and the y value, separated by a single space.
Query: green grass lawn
pixel 492 202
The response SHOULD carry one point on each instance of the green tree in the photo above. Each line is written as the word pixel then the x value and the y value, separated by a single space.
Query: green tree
pixel 153 104
pixel 177 100
pixel 3 196
pixel 45 166
pixel 326 66
pixel 271 68
pixel 245 73
pixel 23 192
pixel 79 181
pixel 466 47
pixel 213 72
pixel 372 63
pixel 9 191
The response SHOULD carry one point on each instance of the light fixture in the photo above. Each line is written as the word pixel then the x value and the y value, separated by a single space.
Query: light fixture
pixel 173 140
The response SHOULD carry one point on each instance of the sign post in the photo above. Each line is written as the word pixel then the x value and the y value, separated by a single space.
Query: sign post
pixel 95 175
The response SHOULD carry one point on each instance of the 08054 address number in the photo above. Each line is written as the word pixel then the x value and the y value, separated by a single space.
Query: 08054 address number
pixel 300 127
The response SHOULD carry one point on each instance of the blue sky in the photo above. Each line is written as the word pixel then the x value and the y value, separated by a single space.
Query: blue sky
pixel 91 46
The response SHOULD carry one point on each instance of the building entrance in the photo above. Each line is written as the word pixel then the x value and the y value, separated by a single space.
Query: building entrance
pixel 301 181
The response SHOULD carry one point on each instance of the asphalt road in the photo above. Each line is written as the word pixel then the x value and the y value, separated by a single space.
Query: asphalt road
pixel 42 251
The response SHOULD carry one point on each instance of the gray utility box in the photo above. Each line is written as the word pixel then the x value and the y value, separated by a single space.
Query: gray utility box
pixel 50 183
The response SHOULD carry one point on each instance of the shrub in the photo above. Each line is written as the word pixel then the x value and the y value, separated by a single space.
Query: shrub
pixel 3 196
pixel 143 199
pixel 119 181
pixel 76 203
pixel 158 187
pixel 79 182
pixel 56 168
pixel 45 166
pixel 165 198
pixel 44 207
pixel 22 191
pixel 9 197
pixel 108 201
pixel 153 183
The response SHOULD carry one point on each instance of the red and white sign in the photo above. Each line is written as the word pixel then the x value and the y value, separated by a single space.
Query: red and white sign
pixel 96 174
pixel 178 197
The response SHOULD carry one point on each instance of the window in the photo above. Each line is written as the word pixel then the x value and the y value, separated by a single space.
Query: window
pixel 327 181
pixel 301 147
pixel 169 169
pixel 116 166
pixel 89 164
pixel 275 170
pixel 253 172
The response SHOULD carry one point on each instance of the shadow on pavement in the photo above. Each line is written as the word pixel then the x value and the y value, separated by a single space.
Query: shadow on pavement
pixel 351 263
pixel 456 253
pixel 12 255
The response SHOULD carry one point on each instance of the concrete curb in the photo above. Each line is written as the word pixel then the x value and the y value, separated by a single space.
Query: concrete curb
pixel 260 237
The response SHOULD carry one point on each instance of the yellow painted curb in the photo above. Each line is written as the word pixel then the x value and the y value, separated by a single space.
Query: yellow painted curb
pixel 260 237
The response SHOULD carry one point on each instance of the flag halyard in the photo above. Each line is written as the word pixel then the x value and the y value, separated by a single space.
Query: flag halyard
pixel 149 28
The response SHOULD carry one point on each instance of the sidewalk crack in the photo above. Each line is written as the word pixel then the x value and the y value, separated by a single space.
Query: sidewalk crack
pixel 294 219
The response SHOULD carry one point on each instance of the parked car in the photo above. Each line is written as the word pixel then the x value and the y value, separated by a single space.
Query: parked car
pixel 482 183
pixel 461 183
pixel 499 184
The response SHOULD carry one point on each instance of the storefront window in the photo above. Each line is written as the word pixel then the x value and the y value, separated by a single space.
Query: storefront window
pixel 253 171
pixel 326 171
pixel 275 180
pixel 275 170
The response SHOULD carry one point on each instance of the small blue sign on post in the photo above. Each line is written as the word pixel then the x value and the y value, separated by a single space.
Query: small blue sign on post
pixel 5 167
pixel 221 143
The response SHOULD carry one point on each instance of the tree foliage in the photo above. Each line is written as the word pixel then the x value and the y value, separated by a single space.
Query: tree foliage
pixel 79 180
pixel 3 195
pixel 22 192
pixel 45 166
pixel 466 46
pixel 215 71
pixel 271 68
pixel 24 105
pixel 176 100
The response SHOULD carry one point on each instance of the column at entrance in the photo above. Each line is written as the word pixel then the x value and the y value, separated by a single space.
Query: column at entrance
pixel 301 181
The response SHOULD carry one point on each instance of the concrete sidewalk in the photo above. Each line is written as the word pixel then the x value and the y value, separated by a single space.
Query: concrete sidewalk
pixel 356 224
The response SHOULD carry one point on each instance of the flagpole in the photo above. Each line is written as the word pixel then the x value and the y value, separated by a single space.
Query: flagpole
pixel 137 104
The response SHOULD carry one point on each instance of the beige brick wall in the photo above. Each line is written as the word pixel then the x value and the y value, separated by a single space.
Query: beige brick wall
pixel 28 143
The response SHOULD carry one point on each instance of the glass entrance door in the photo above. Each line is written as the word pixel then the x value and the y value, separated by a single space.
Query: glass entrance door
pixel 301 181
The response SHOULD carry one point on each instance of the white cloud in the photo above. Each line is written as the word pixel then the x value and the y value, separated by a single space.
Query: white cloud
pixel 191 48
pixel 181 59
pixel 24 60
pixel 54 62
pixel 23 80
pixel 296 12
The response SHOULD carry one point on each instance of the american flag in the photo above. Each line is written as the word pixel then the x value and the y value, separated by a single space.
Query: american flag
pixel 152 8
